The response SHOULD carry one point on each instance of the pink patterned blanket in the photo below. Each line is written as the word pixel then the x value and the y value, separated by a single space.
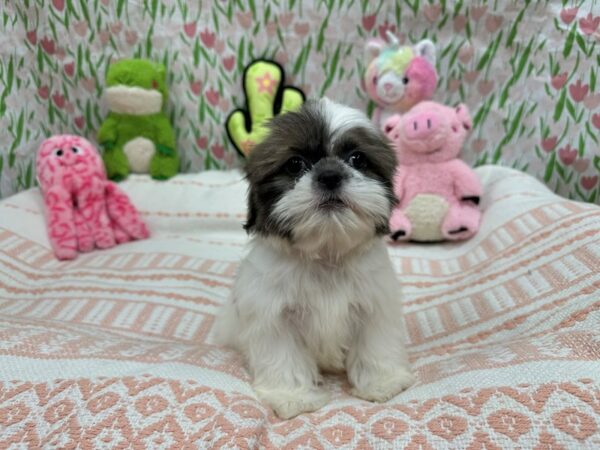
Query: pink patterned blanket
pixel 114 349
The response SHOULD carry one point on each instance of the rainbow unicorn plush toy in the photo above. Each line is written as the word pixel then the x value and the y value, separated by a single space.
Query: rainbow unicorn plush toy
pixel 398 77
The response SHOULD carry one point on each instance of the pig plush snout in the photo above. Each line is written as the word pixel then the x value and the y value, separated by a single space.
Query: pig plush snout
pixel 421 126
pixel 419 132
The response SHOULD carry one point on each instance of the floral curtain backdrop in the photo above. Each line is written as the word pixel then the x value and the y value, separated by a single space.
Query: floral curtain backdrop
pixel 528 70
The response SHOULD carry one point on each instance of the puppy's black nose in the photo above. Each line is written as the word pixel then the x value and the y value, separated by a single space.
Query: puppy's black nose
pixel 330 179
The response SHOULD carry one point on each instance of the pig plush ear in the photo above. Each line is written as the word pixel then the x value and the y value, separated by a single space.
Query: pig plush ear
pixel 391 123
pixel 426 49
pixel 462 112
pixel 373 49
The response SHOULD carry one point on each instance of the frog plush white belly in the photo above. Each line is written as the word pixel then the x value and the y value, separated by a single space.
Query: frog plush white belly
pixel 139 152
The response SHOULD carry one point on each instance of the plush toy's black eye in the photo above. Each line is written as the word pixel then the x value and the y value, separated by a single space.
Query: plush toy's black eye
pixel 375 79
pixel 358 160
pixel 295 165
pixel 58 152
pixel 405 80
pixel 75 150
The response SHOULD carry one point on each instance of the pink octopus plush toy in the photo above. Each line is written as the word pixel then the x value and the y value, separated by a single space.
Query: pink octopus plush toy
pixel 83 209
pixel 438 193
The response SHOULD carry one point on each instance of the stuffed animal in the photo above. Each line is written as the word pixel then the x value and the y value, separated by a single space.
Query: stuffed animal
pixel 438 193
pixel 83 209
pixel 266 96
pixel 398 77
pixel 137 136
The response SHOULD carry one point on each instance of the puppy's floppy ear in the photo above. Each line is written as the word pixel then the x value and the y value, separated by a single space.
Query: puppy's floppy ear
pixel 251 219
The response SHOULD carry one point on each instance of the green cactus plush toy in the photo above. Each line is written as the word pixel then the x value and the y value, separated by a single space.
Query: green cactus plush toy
pixel 266 96
pixel 137 135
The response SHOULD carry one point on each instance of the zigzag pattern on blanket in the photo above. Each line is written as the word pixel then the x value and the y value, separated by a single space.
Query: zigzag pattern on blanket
pixel 502 332
pixel 153 412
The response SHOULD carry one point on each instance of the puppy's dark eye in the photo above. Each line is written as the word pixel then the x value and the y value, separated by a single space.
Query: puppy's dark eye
pixel 58 152
pixel 295 165
pixel 75 150
pixel 405 80
pixel 358 160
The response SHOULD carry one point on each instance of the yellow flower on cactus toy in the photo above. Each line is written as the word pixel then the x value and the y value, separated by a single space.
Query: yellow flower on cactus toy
pixel 266 83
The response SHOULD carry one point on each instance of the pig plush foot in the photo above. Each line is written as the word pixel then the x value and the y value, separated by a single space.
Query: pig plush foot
pixel 400 227
pixel 461 222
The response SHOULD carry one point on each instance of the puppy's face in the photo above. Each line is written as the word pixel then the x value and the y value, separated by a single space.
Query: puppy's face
pixel 321 180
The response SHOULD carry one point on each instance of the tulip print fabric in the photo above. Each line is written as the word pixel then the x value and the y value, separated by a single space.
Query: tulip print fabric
pixel 528 70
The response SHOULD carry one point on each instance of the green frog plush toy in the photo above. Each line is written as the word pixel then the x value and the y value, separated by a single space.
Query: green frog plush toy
pixel 137 136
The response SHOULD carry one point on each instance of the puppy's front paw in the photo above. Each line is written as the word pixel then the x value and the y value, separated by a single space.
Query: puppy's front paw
pixel 381 386
pixel 288 404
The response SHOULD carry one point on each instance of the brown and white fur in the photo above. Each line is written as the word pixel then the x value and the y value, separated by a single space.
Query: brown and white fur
pixel 317 291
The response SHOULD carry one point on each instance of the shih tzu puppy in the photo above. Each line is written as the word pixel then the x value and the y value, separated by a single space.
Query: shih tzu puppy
pixel 317 291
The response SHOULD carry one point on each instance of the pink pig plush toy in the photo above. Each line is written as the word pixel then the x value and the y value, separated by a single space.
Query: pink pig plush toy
pixel 83 209
pixel 438 193
pixel 398 77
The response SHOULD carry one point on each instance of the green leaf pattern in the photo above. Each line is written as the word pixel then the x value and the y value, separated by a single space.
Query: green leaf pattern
pixel 528 71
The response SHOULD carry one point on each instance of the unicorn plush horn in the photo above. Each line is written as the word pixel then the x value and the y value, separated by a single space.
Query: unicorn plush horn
pixel 392 39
